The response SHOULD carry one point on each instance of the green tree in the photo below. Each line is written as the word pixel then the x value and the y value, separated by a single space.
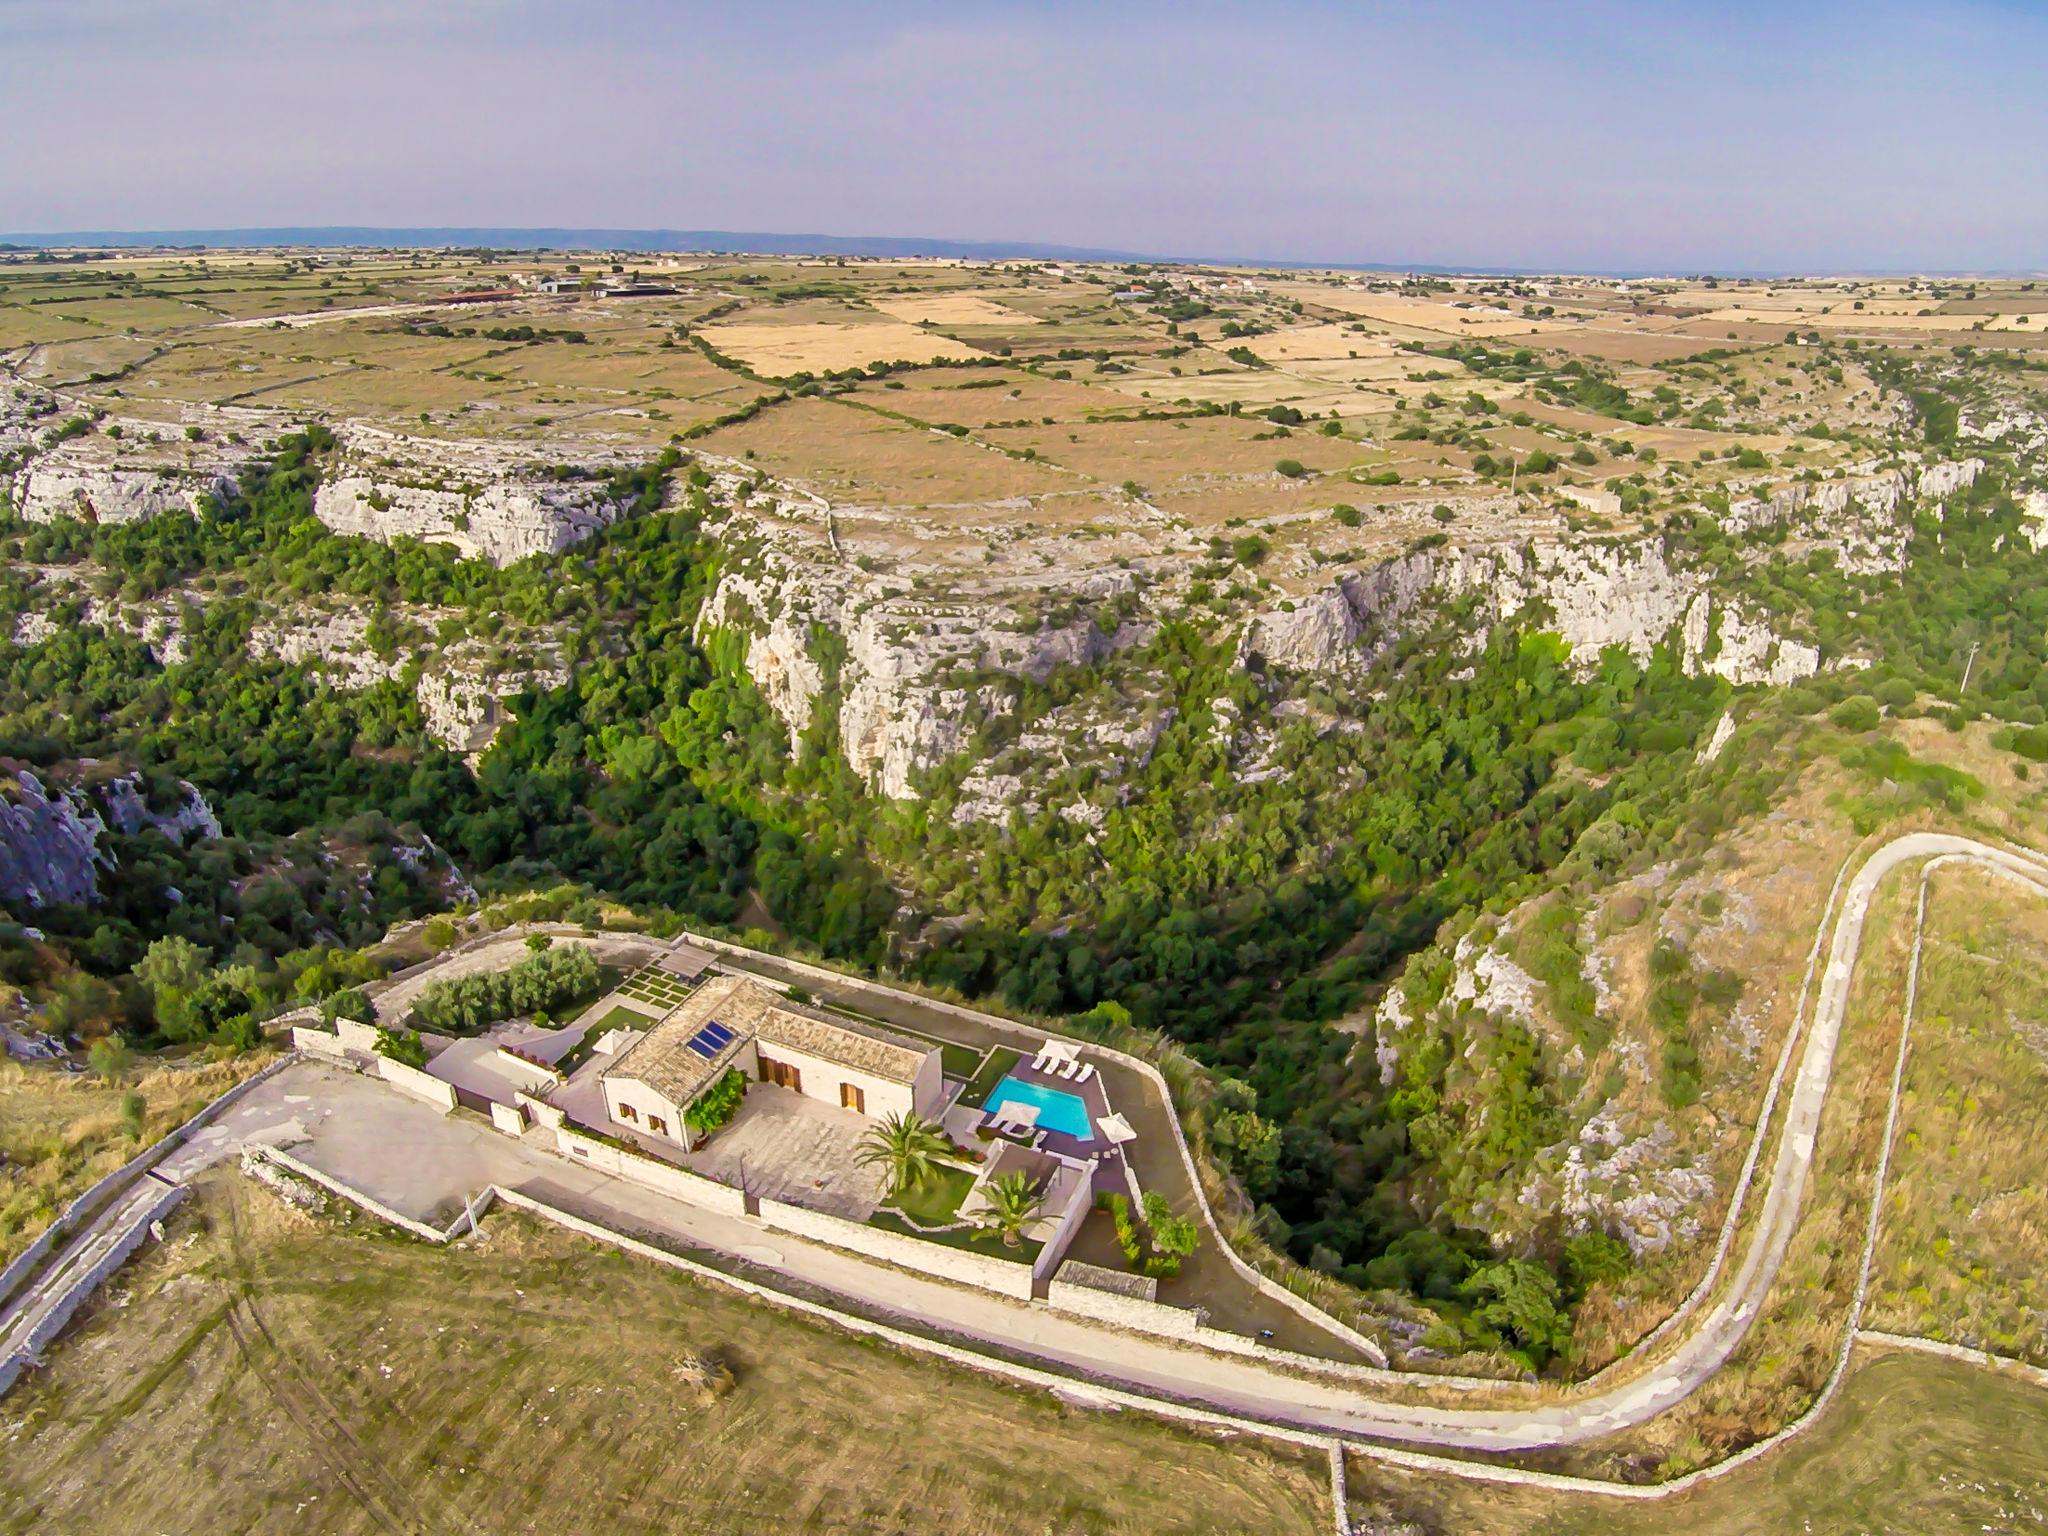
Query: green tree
pixel 1517 1299
pixel 1014 1202
pixel 908 1145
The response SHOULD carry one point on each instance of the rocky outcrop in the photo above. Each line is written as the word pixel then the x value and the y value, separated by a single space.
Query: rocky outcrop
pixel 49 846
pixel 1592 595
pixel 481 499
pixel 131 815
pixel 98 479
pixel 1860 517
pixel 461 689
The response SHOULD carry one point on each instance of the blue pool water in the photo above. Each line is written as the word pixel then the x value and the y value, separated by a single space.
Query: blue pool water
pixel 1066 1113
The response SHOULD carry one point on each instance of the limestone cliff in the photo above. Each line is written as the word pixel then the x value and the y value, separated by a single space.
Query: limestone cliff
pixel 486 501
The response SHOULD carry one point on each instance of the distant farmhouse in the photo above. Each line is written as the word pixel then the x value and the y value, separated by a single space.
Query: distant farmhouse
pixel 735 1023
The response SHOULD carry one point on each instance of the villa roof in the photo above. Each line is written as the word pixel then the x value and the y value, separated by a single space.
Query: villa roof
pixel 664 1060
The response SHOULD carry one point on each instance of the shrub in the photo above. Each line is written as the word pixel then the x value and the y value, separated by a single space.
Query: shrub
pixel 1857 713
pixel 1293 469
pixel 718 1103
pixel 406 1047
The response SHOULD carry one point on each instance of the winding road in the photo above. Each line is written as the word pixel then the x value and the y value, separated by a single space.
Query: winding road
pixel 1254 1392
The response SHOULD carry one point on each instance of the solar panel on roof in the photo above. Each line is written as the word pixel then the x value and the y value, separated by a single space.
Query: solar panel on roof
pixel 710 1040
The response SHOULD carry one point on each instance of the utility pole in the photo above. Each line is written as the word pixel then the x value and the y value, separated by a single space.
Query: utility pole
pixel 1966 669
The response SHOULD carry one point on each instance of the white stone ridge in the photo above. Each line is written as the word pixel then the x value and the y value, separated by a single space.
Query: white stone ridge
pixel 129 813
pixel 92 479
pixel 158 622
pixel 1596 595
pixel 2034 513
pixel 488 501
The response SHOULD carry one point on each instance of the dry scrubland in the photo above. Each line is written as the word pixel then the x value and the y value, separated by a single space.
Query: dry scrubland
pixel 287 1372
pixel 1966 1219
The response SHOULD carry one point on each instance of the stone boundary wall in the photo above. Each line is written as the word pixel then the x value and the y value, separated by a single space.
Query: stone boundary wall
pixel 1133 1312
pixel 1963 1353
pixel 74 1297
pixel 663 1178
pixel 1266 1286
pixel 356 1036
pixel 324 1043
pixel 421 1085
pixel 1006 1277
pixel 68 1219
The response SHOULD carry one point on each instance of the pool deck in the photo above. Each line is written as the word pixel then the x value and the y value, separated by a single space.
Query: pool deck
pixel 1090 1093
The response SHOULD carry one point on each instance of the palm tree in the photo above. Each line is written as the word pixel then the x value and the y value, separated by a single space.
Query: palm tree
pixel 908 1145
pixel 1013 1204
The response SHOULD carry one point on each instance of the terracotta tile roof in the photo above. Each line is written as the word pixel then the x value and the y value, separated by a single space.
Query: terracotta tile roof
pixel 662 1058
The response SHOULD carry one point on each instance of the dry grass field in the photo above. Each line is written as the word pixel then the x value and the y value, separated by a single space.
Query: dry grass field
pixel 294 1373
pixel 1966 1220
pixel 1912 1447
pixel 61 1132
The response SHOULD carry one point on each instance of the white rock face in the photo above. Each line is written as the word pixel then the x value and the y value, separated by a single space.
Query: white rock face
pixel 91 479
pixel 129 813
pixel 2035 512
pixel 488 501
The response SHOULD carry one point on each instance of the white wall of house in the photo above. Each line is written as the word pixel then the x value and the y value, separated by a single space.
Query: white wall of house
pixel 647 1106
pixel 928 1093
pixel 823 1080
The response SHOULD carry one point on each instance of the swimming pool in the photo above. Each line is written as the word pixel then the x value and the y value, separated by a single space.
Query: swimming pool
pixel 1066 1113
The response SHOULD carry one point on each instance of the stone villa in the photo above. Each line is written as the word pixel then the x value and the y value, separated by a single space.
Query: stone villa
pixel 735 1023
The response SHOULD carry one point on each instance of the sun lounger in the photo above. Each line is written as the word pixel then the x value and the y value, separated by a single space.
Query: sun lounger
pixel 1069 1068
pixel 1085 1073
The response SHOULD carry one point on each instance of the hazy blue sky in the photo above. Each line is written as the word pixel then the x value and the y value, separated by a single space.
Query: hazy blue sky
pixel 1613 135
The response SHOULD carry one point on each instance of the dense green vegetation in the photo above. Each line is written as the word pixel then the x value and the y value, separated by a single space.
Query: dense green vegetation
pixel 1243 918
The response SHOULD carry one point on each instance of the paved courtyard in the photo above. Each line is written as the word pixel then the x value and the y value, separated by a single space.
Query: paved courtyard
pixel 783 1146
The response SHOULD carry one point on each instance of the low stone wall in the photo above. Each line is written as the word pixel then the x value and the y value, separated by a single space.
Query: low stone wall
pixel 324 1043
pixel 74 1214
pixel 354 1196
pixel 355 1036
pixel 509 1119
pixel 74 1297
pixel 1004 1276
pixel 421 1085
pixel 664 1178
pixel 1133 1312
pixel 541 1110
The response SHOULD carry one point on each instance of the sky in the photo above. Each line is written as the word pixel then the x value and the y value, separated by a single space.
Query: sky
pixel 1651 136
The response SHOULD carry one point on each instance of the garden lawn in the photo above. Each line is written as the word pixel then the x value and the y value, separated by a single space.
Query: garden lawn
pixel 937 1200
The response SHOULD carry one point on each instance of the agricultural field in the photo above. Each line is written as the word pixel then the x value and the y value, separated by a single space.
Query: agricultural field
pixel 298 1371
pixel 991 394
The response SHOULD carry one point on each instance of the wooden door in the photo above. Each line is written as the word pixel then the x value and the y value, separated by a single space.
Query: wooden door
pixel 851 1097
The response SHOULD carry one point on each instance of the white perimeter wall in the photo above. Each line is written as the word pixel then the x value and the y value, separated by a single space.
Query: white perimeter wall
pixel 1005 1276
